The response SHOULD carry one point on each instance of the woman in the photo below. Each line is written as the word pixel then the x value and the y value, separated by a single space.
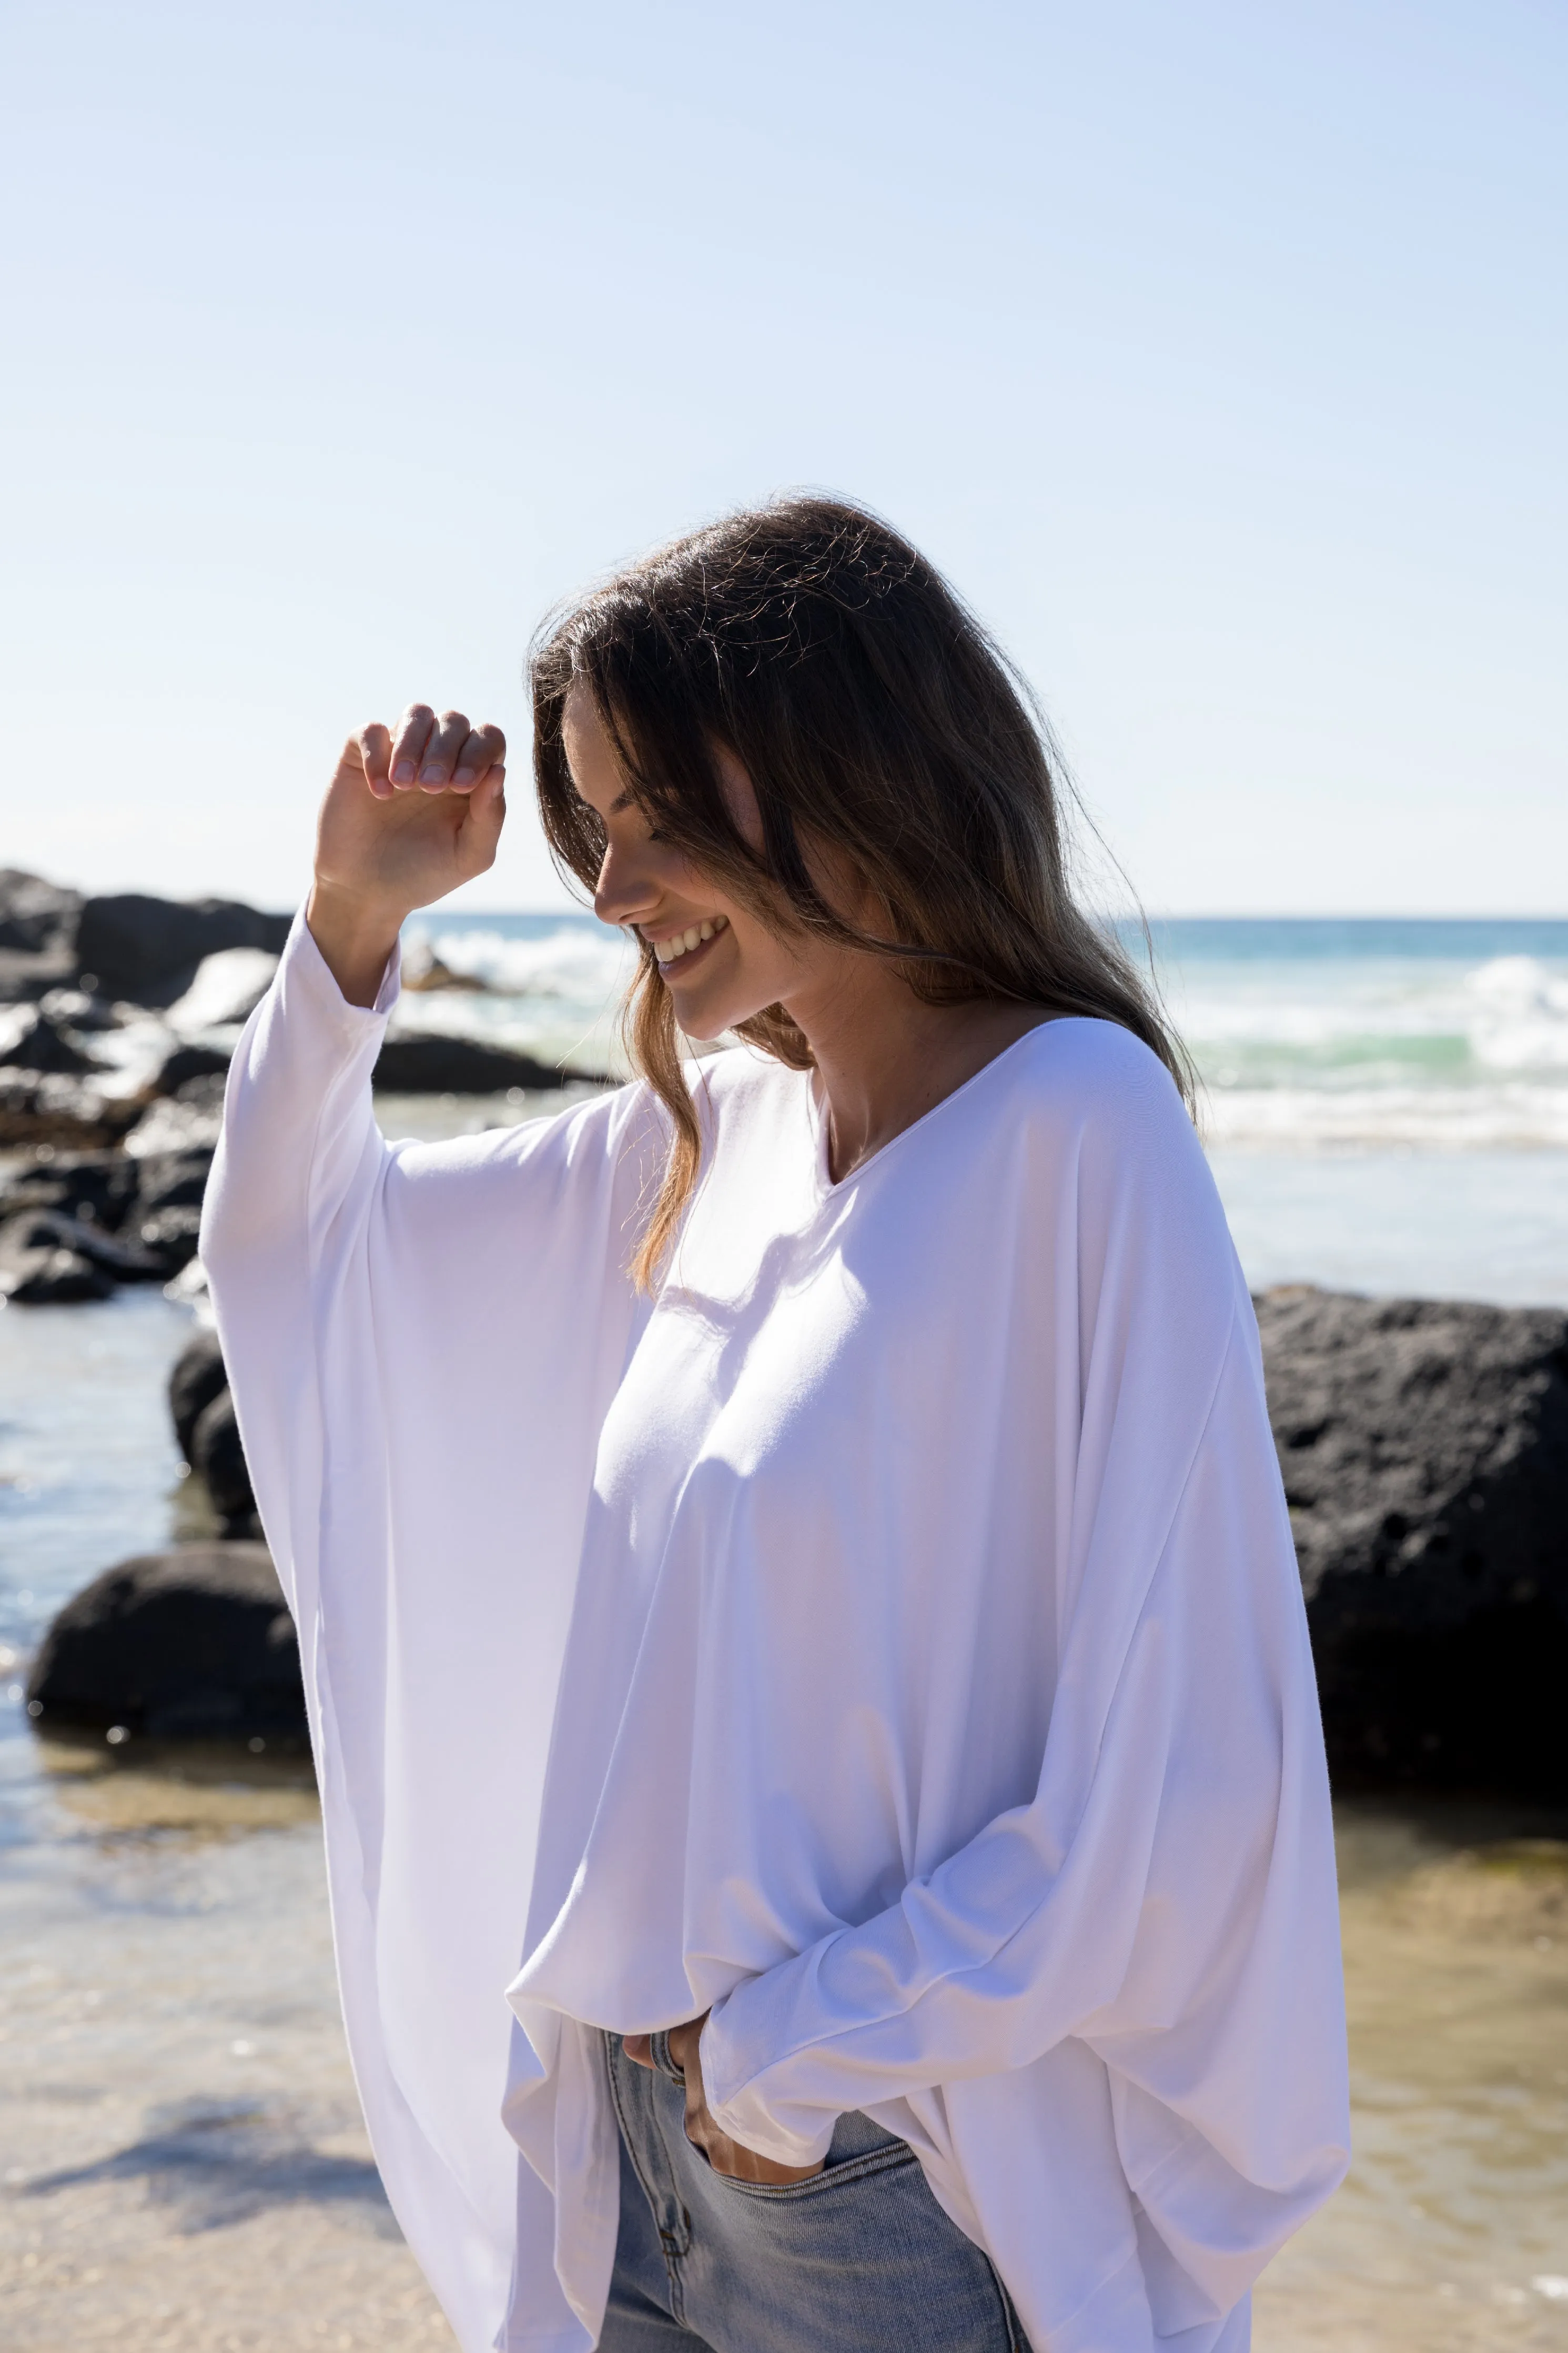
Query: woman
pixel 791 1569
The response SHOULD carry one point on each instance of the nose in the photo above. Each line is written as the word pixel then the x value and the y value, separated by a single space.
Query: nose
pixel 625 889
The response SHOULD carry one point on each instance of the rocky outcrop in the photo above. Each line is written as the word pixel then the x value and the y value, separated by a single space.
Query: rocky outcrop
pixel 99 1186
pixel 1425 1452
pixel 37 934
pixel 195 1643
pixel 72 1225
pixel 49 1107
pixel 40 1265
pixel 148 949
pixel 127 945
pixel 48 1259
pixel 33 1039
pixel 433 1064
pixel 35 915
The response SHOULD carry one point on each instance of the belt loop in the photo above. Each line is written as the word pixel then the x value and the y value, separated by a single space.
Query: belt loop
pixel 666 2066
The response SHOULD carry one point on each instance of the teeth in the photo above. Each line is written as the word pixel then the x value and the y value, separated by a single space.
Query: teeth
pixel 681 944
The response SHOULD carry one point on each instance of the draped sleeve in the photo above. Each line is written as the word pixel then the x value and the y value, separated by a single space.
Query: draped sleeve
pixel 422 1342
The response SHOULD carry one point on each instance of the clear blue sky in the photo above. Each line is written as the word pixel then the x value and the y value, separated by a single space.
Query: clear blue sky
pixel 1218 352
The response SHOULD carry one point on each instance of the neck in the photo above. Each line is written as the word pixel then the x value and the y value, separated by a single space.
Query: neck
pixel 884 1059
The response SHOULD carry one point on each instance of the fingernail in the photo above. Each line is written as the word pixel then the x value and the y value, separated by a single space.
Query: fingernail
pixel 403 772
pixel 465 780
pixel 432 774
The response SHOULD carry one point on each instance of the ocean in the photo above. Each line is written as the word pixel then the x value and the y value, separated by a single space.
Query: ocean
pixel 181 2162
pixel 1386 1102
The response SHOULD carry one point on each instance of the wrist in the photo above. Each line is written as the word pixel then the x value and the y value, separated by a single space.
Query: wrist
pixel 357 936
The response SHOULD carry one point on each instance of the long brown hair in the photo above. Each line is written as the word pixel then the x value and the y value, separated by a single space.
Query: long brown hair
pixel 876 719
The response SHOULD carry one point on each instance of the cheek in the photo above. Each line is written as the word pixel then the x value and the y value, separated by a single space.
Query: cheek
pixel 764 967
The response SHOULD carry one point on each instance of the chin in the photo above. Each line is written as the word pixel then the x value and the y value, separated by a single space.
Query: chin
pixel 702 1029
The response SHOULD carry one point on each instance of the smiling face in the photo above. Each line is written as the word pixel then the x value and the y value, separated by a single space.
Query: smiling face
pixel 718 959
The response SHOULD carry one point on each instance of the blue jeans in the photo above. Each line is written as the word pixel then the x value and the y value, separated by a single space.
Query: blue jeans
pixel 859 2258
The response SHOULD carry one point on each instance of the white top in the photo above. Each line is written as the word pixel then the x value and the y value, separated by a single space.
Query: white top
pixel 890 1638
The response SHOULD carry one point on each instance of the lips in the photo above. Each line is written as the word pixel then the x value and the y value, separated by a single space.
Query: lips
pixel 678 944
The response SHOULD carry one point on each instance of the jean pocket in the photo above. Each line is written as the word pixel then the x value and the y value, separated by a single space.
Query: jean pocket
pixel 892 2158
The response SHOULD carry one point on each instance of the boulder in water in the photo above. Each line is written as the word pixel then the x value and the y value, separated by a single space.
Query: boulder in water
pixel 431 1063
pixel 199 1376
pixel 218 1456
pixel 1425 1451
pixel 43 1255
pixel 187 1062
pixel 40 1268
pixel 99 1186
pixel 192 1643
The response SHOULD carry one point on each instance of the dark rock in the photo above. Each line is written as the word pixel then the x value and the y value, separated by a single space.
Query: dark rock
pixel 36 916
pixel 99 1186
pixel 423 969
pixel 1425 1451
pixel 23 975
pixel 34 1235
pixel 186 1063
pixel 199 1376
pixel 148 949
pixel 42 1271
pixel 436 1065
pixel 173 1181
pixel 31 1040
pixel 170 1237
pixel 49 1107
pixel 218 1456
pixel 192 1643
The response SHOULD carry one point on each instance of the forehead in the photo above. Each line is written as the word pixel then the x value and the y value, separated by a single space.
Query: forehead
pixel 591 756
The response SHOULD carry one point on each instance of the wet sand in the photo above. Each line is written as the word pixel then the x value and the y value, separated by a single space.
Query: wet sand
pixel 184 2170
pixel 1451 2234
pixel 183 2166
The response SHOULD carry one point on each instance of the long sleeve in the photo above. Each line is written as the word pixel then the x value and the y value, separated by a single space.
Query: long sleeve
pixel 1166 1900
pixel 393 1316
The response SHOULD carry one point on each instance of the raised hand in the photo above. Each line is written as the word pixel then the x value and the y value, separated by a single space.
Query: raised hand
pixel 409 815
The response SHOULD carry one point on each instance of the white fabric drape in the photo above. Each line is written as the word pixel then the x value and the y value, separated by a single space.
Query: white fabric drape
pixel 889 1639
